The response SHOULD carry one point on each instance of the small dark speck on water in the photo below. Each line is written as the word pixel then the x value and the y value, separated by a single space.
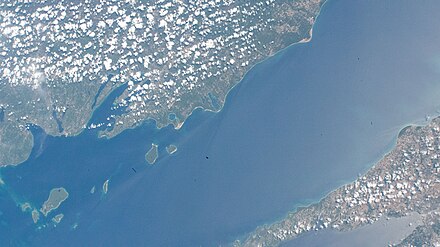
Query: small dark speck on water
pixel 133 169
pixel 371 122
pixel 207 157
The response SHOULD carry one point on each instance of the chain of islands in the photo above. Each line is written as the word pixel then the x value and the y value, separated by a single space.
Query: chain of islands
pixel 61 59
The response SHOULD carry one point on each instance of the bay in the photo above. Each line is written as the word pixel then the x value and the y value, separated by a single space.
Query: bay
pixel 298 125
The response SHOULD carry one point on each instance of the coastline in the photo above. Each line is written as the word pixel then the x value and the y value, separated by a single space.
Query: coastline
pixel 302 41
pixel 99 99
pixel 295 129
pixel 181 123
pixel 311 203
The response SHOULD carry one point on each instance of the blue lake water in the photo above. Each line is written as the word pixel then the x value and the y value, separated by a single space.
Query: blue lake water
pixel 299 125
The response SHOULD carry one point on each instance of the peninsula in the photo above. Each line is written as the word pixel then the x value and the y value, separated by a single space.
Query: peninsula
pixel 405 181
pixel 59 62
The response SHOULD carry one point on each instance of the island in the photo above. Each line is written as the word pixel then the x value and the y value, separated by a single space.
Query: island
pixel 35 215
pixel 171 149
pixel 152 154
pixel 104 186
pixel 60 62
pixel 56 197
pixel 405 181
pixel 25 207
pixel 57 218
pixel 92 190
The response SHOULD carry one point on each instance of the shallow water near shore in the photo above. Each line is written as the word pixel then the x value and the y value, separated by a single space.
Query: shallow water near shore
pixel 298 126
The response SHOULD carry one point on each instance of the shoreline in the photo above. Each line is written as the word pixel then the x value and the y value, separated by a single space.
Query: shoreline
pixel 302 41
pixel 312 202
pixel 180 124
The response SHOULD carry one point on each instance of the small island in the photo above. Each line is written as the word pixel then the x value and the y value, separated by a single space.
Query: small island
pixel 35 216
pixel 57 218
pixel 152 154
pixel 171 149
pixel 105 186
pixel 92 190
pixel 26 207
pixel 56 197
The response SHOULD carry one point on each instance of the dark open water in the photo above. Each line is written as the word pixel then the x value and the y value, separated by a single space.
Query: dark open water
pixel 298 125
